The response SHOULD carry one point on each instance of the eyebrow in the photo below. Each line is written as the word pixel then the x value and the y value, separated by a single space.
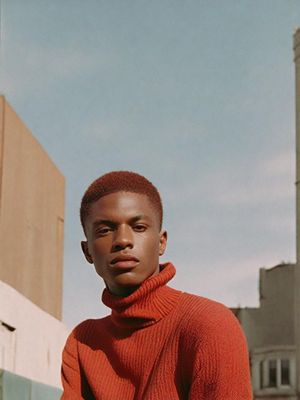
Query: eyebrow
pixel 102 222
pixel 112 222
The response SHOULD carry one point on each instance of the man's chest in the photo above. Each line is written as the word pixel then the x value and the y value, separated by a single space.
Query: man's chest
pixel 144 365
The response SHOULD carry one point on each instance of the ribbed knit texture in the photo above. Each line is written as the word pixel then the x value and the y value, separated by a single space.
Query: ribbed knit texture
pixel 159 344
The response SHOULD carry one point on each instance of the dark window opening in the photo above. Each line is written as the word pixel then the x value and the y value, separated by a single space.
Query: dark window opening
pixel 261 374
pixel 272 373
pixel 285 372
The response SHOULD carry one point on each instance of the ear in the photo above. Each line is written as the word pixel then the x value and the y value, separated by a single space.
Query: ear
pixel 85 250
pixel 163 238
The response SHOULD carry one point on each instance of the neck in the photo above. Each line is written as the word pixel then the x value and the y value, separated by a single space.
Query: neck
pixel 145 306
pixel 127 291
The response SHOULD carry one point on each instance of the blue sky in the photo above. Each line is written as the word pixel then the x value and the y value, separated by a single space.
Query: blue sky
pixel 196 95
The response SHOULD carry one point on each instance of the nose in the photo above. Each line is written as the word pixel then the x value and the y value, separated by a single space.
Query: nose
pixel 123 238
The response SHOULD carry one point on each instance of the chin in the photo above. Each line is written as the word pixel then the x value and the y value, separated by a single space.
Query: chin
pixel 126 283
pixel 128 280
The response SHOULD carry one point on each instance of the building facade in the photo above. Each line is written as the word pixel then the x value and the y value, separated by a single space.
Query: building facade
pixel 31 215
pixel 31 264
pixel 273 329
pixel 270 333
pixel 297 269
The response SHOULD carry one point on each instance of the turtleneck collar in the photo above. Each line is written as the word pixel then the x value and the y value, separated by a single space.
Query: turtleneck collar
pixel 152 301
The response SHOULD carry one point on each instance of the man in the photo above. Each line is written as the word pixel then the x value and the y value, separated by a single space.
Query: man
pixel 158 343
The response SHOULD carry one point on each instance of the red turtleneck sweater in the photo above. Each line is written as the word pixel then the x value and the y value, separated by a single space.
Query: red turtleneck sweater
pixel 159 344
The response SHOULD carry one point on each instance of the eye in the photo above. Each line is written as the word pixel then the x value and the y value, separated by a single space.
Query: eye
pixel 139 228
pixel 103 231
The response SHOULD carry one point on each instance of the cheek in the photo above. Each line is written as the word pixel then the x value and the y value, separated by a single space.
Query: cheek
pixel 99 248
pixel 150 245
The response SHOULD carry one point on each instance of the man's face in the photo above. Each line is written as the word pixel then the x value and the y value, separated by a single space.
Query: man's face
pixel 124 240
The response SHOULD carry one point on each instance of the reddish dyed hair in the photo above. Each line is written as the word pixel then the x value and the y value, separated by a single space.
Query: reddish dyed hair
pixel 120 181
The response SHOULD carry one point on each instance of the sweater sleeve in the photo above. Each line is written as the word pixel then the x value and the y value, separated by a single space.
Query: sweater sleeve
pixel 221 369
pixel 70 371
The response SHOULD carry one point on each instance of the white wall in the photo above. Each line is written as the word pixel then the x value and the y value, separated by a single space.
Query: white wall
pixel 33 349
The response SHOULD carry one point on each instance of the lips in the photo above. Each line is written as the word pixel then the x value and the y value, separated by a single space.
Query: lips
pixel 124 262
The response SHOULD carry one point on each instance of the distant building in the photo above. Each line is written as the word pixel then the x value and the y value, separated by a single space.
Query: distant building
pixel 297 268
pixel 273 329
pixel 31 264
pixel 270 332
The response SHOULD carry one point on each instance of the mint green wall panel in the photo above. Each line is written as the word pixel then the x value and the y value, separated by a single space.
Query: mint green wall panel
pixel 40 391
pixel 14 387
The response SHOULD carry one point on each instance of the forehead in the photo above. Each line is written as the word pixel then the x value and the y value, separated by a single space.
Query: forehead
pixel 122 205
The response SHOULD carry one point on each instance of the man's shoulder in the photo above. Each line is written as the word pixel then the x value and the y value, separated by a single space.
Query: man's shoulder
pixel 92 321
pixel 203 305
pixel 89 327
pixel 201 314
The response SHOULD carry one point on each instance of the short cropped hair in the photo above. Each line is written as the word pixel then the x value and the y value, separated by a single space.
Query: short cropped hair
pixel 120 181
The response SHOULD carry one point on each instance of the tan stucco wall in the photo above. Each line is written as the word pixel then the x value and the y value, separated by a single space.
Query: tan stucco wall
pixel 31 215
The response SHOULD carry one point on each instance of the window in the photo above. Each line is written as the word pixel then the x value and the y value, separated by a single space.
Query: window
pixel 285 372
pixel 261 374
pixel 275 373
pixel 272 381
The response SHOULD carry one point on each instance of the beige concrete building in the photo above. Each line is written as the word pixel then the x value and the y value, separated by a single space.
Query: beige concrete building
pixel 31 215
pixel 31 264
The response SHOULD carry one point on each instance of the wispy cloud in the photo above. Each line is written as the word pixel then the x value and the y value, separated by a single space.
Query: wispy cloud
pixel 233 281
pixel 267 181
pixel 282 164
pixel 271 182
